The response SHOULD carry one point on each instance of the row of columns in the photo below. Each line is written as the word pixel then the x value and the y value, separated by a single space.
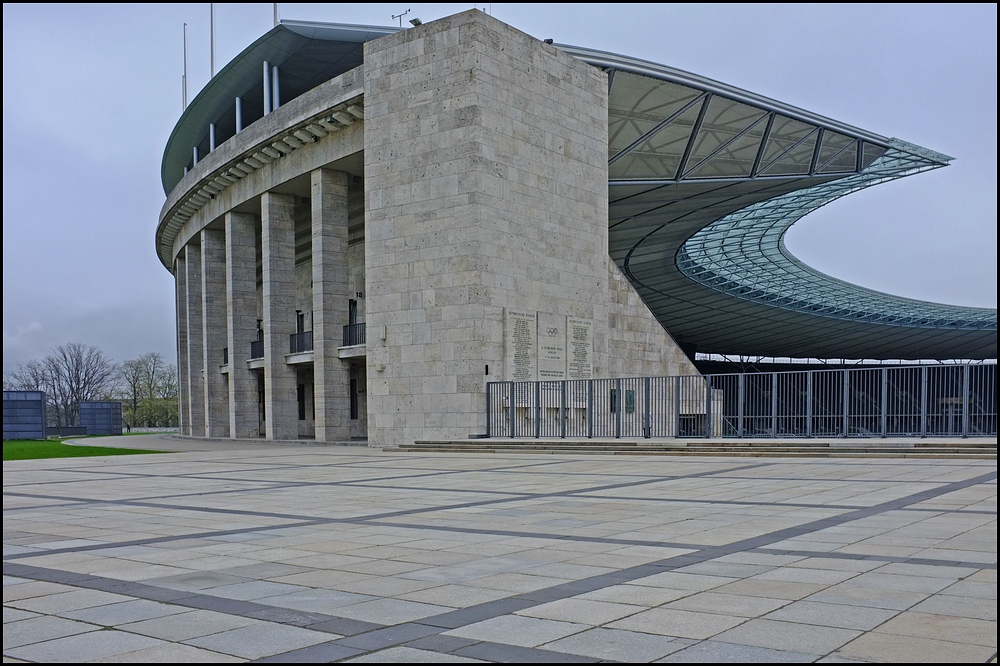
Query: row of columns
pixel 216 282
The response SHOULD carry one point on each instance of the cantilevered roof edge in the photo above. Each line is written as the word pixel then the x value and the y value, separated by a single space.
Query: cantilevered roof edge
pixel 608 60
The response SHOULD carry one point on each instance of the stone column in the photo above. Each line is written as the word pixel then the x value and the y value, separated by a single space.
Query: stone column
pixel 195 341
pixel 330 298
pixel 183 388
pixel 241 317
pixel 214 331
pixel 278 252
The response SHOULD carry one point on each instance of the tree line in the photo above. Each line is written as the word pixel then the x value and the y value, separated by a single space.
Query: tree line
pixel 74 373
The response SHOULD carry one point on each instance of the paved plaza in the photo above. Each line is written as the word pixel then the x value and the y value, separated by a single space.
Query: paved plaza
pixel 243 551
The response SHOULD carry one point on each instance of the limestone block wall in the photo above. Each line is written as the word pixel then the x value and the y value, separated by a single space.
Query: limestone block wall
pixel 486 192
pixel 638 346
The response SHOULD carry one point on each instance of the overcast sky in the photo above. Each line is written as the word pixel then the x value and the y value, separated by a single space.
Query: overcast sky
pixel 91 93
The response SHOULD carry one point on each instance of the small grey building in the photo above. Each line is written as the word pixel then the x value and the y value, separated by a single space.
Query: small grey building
pixel 24 414
pixel 101 417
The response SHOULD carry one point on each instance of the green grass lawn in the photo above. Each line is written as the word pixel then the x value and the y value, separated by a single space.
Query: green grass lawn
pixel 31 449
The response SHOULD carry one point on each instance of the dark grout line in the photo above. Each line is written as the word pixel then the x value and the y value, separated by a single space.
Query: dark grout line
pixel 836 555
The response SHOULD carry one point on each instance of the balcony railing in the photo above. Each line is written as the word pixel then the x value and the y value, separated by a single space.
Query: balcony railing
pixel 354 334
pixel 257 349
pixel 225 356
pixel 300 342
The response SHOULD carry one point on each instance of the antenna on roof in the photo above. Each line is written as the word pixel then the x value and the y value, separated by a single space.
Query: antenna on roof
pixel 400 17
pixel 184 76
pixel 211 23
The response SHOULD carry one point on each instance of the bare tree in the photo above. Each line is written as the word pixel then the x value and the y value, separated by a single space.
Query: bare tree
pixel 76 373
pixel 28 377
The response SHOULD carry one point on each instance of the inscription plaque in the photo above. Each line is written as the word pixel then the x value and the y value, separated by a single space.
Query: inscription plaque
pixel 551 347
pixel 520 354
pixel 580 345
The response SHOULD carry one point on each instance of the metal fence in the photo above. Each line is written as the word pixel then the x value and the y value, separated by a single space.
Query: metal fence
pixel 910 401
pixel 354 334
pixel 300 342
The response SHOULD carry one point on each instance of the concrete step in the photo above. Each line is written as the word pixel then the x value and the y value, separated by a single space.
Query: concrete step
pixel 977 449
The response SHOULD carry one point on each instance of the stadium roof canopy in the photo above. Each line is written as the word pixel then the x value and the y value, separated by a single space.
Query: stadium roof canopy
pixel 704 180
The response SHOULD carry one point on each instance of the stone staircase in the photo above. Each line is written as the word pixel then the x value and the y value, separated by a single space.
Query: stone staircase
pixel 984 448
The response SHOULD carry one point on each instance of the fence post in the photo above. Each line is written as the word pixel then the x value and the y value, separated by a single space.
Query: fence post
pixel 809 403
pixel 847 403
pixel 923 401
pixel 965 400
pixel 618 408
pixel 677 406
pixel 562 410
pixel 885 402
pixel 647 419
pixel 708 406
pixel 513 410
pixel 590 409
pixel 489 407
pixel 774 404
pixel 538 410
pixel 739 407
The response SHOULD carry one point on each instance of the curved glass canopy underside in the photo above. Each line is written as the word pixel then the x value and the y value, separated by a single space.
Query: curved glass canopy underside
pixel 704 182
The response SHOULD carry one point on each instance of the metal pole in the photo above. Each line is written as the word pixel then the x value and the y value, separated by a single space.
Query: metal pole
pixel 847 402
pixel 618 409
pixel 184 76
pixel 809 403
pixel 923 401
pixel 965 400
pixel 267 88
pixel 211 23
pixel 275 89
pixel 489 407
pixel 647 419
pixel 590 409
pixel 512 410
pixel 562 410
pixel 739 406
pixel 708 406
pixel 774 404
pixel 677 406
pixel 885 401
pixel 194 155
pixel 538 409
pixel 211 137
pixel 239 114
pixel 276 15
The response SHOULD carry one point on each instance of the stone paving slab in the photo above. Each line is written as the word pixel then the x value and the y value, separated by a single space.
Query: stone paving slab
pixel 277 552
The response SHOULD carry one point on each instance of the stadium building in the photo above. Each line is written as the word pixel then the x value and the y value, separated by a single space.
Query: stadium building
pixel 367 226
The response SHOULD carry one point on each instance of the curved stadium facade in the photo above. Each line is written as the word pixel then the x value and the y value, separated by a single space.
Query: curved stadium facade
pixel 367 225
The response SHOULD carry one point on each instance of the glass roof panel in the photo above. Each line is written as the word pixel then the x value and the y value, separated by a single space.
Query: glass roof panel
pixel 785 133
pixel 637 104
pixel 795 161
pixel 659 155
pixel 736 158
pixel 847 161
pixel 833 143
pixel 870 153
pixel 723 121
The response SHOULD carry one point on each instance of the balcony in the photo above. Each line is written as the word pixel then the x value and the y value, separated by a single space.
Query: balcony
pixel 257 349
pixel 354 334
pixel 300 342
